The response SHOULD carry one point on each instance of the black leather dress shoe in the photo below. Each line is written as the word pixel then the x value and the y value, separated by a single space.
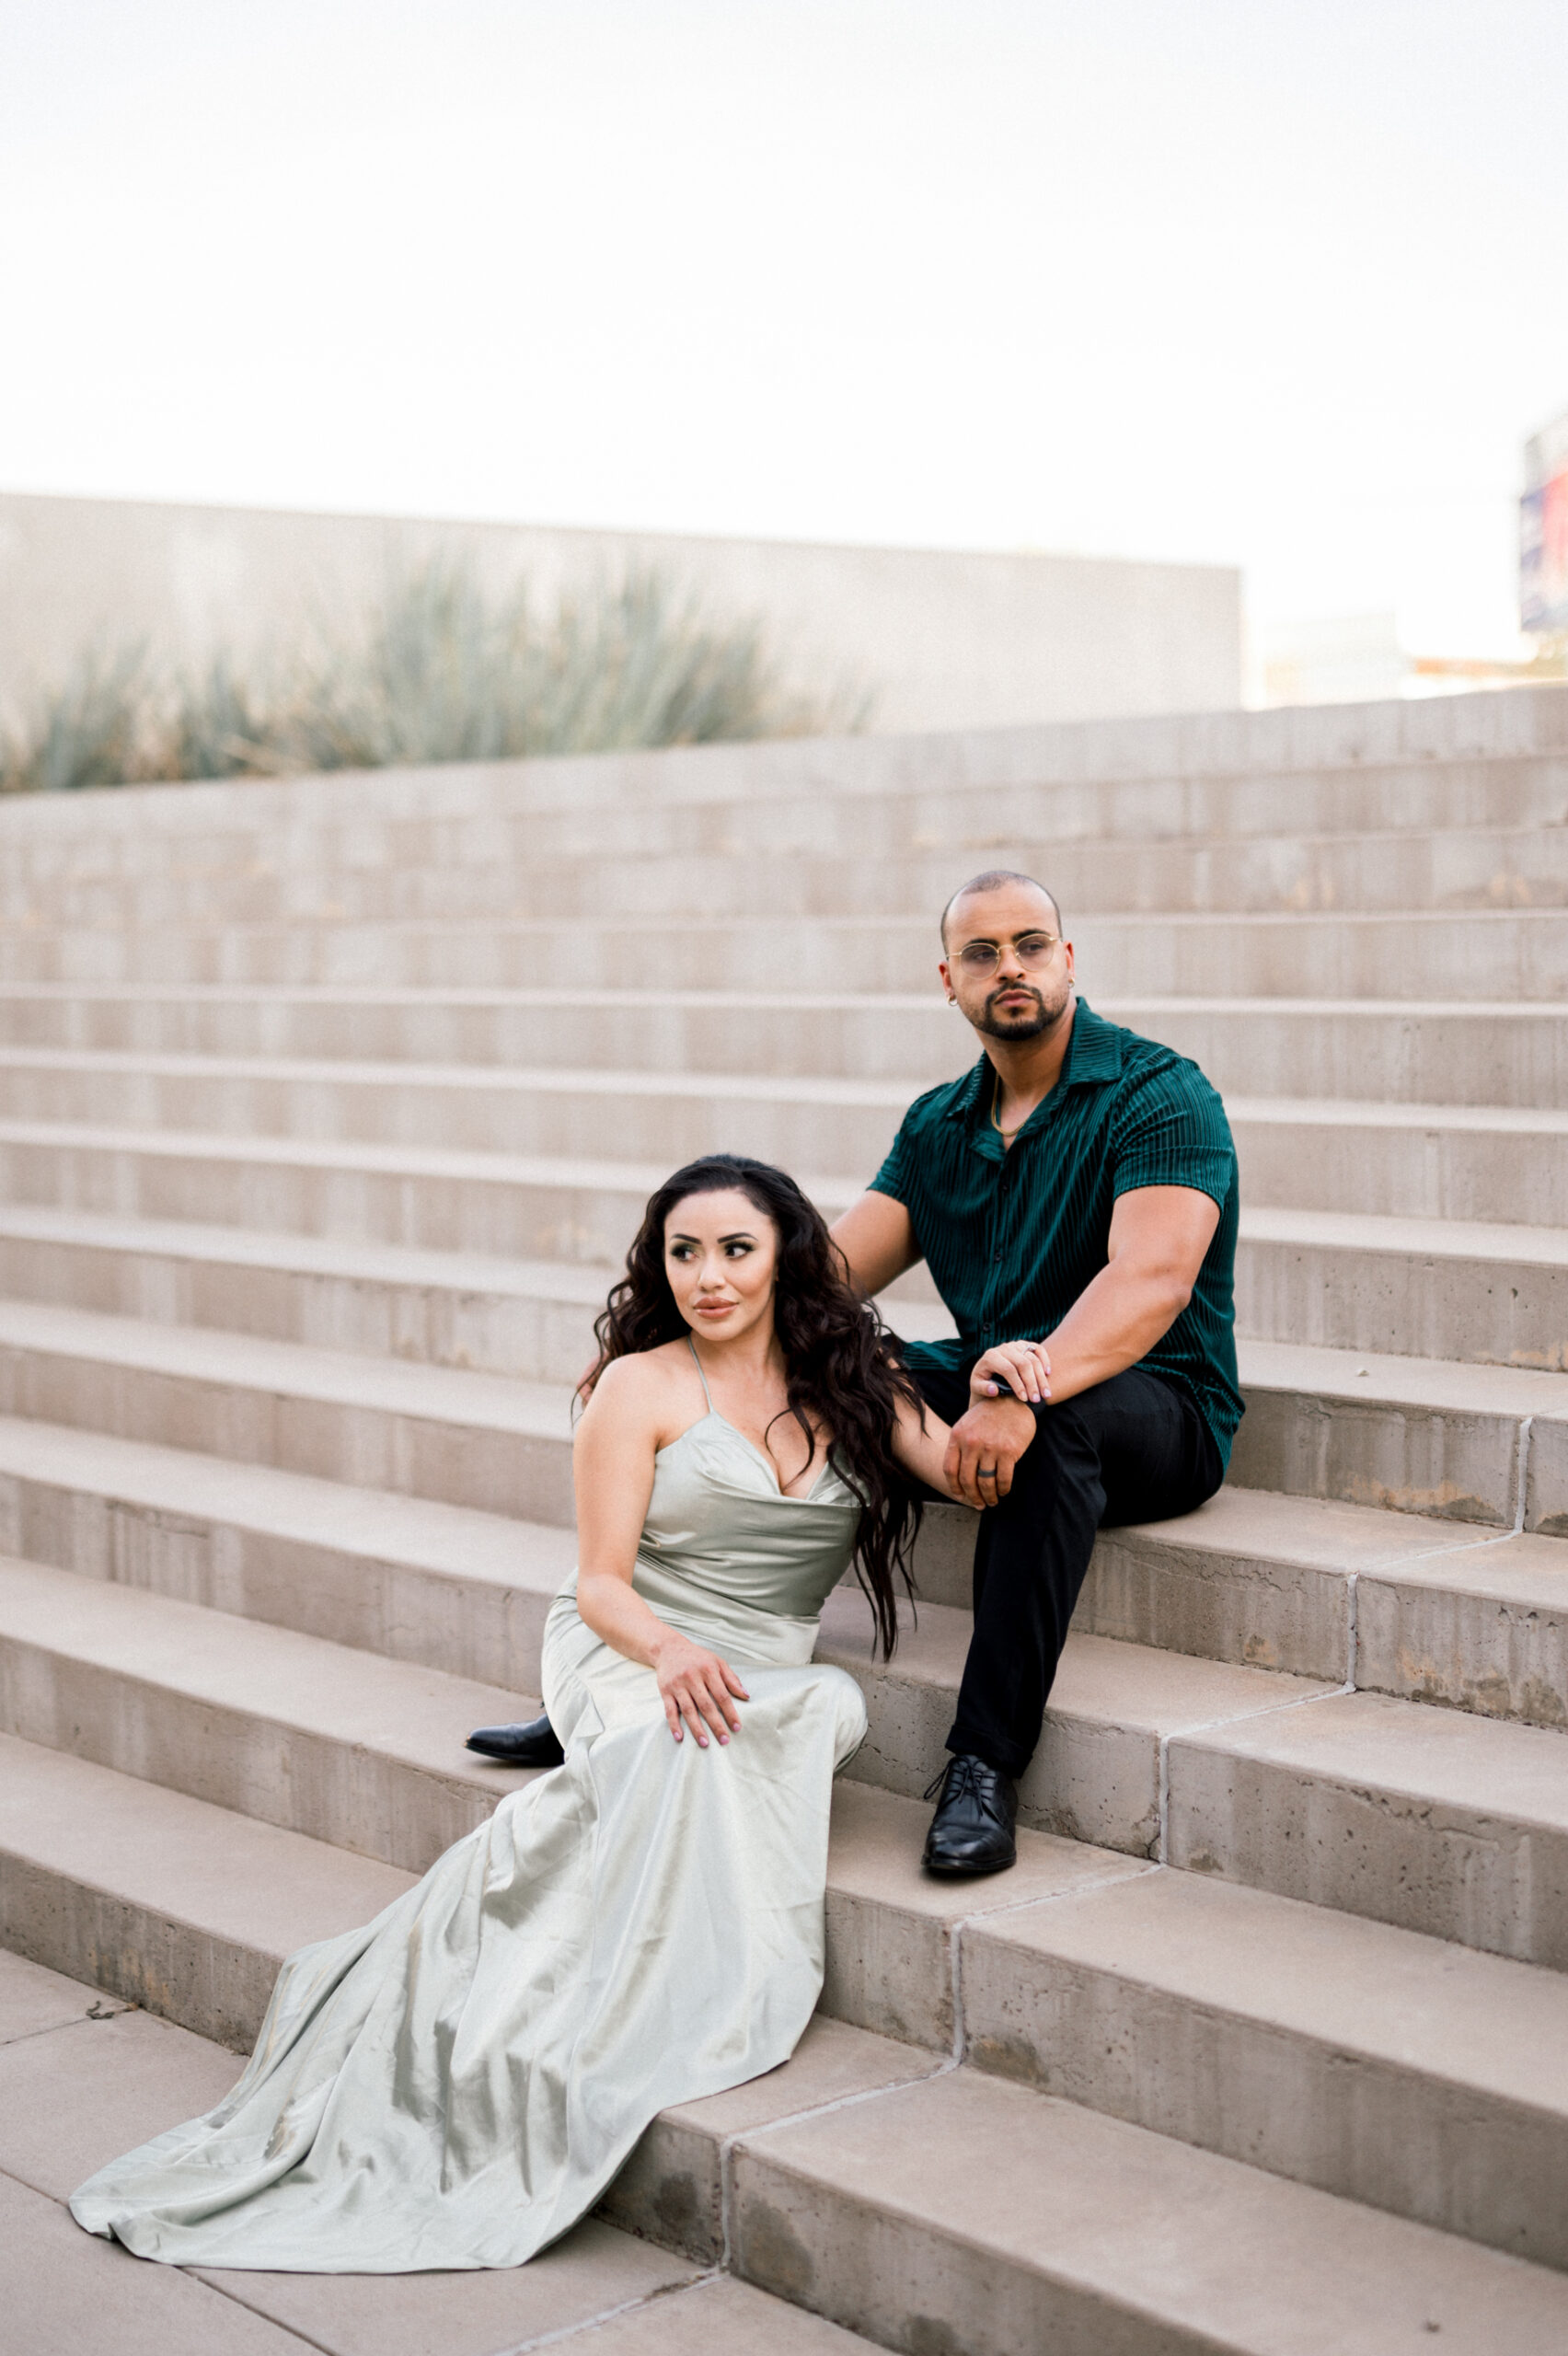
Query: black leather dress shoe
pixel 532 1744
pixel 972 1832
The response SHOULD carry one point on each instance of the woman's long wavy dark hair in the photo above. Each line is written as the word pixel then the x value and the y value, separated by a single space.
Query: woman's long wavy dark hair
pixel 839 1364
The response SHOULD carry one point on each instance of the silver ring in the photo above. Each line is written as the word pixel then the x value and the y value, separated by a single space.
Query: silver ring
pixel 986 1472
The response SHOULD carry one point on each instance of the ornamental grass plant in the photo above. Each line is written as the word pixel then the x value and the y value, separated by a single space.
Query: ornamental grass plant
pixel 443 672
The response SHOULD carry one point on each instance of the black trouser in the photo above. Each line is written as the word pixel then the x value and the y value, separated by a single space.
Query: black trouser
pixel 1135 1448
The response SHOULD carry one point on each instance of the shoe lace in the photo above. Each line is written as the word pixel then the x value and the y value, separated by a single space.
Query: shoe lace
pixel 959 1775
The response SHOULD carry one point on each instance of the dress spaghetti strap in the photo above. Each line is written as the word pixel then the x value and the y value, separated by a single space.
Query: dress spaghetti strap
pixel 701 1376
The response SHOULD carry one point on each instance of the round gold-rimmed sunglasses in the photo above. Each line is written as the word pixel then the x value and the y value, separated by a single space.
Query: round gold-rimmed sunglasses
pixel 979 958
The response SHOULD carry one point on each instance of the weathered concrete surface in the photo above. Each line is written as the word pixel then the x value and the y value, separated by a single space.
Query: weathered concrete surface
pixel 1393 2069
pixel 162 1899
pixel 1096 1776
pixel 1505 955
pixel 1090 2237
pixel 1432 1818
pixel 1483 1629
pixel 673 2188
pixel 891 1927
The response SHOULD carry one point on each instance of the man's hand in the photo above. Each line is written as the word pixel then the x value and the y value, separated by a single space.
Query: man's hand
pixel 984 1446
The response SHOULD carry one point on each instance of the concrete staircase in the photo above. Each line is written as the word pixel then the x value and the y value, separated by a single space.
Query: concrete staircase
pixel 326 1110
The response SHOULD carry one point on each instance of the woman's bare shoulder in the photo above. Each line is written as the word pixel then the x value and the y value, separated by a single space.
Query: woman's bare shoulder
pixel 647 1384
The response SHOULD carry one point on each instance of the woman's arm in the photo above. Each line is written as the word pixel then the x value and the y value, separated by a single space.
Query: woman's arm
pixel 612 1469
pixel 921 1446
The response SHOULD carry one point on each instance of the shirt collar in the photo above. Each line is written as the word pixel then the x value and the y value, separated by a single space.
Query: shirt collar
pixel 1094 1051
pixel 1094 1054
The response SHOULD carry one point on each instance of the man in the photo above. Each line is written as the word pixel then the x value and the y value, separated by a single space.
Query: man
pixel 1078 1184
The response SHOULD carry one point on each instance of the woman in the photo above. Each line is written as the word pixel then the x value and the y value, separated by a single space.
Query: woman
pixel 455 2084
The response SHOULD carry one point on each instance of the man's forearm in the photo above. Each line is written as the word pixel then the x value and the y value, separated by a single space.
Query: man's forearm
pixel 1114 1322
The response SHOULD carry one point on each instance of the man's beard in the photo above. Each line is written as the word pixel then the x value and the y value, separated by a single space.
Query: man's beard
pixel 1029 1026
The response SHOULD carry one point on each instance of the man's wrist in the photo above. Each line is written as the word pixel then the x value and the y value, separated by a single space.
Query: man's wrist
pixel 1012 1422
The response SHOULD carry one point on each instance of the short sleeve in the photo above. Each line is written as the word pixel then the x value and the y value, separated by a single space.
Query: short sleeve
pixel 893 1177
pixel 1173 1132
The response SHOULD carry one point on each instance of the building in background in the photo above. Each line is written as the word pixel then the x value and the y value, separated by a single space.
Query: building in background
pixel 924 638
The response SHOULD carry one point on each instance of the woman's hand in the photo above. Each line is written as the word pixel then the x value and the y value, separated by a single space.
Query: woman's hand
pixel 696 1686
pixel 1021 1368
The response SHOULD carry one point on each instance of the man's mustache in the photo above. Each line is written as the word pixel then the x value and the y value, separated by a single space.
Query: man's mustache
pixel 1013 990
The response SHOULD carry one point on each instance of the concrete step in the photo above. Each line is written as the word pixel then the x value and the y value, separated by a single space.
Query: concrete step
pixel 1431 1288
pixel 1376 742
pixel 440 1585
pixel 1114 1709
pixel 1480 867
pixel 804 1125
pixel 1476 1444
pixel 1485 1445
pixel 210 1872
pixel 1465 1444
pixel 667 1117
pixel 165 1901
pixel 1421 798
pixel 1076 2243
pixel 486 1441
pixel 1428 1818
pixel 877 821
pixel 367 1752
pixel 1481 1166
pixel 1427 1288
pixel 821 2169
pixel 1502 955
pixel 1428 1161
pixel 356 1750
pixel 1390 1050
pixel 422 1198
pixel 1392 2069
pixel 529 1318
pixel 1391 1602
pixel 1470 1620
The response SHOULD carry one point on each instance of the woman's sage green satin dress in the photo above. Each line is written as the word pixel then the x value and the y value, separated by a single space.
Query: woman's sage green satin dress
pixel 457 2083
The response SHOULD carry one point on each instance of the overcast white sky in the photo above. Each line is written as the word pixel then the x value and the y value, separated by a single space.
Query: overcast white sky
pixel 1277 282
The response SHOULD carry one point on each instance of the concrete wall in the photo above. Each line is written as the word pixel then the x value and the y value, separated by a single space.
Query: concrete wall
pixel 940 639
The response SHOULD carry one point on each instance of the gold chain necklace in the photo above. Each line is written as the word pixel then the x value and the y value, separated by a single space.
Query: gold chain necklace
pixel 1007 1136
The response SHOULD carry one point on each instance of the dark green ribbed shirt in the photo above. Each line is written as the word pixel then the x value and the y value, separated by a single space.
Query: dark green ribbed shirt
pixel 1012 1238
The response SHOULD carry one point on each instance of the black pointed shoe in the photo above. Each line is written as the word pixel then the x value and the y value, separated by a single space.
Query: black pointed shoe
pixel 972 1832
pixel 532 1744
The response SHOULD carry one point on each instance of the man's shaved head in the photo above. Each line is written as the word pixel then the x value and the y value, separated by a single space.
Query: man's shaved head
pixel 995 878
